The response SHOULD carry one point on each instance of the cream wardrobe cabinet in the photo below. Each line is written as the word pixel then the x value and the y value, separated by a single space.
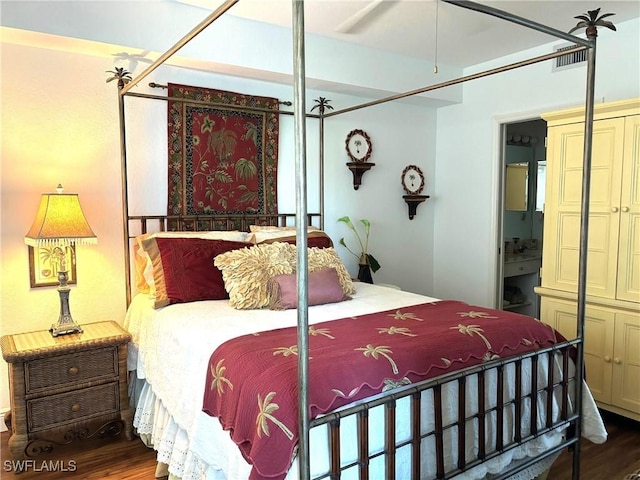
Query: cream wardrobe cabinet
pixel 612 331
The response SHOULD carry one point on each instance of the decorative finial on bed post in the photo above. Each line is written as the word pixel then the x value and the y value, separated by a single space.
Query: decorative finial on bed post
pixel 591 22
pixel 321 104
pixel 121 75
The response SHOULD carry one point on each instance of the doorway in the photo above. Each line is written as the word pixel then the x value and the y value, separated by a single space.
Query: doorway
pixel 521 229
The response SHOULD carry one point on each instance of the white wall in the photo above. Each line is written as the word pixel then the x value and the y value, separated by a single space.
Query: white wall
pixel 467 152
pixel 401 134
pixel 58 127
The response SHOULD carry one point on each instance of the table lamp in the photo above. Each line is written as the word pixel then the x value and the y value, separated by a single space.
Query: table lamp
pixel 61 223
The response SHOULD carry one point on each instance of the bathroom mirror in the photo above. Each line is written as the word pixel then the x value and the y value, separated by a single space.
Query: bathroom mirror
pixel 517 187
pixel 541 185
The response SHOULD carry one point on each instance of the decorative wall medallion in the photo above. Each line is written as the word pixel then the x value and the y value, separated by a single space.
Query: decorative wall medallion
pixel 358 146
pixel 412 180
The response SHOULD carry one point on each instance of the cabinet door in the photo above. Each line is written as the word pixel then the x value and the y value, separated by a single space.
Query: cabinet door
pixel 565 149
pixel 598 341
pixel 626 362
pixel 628 286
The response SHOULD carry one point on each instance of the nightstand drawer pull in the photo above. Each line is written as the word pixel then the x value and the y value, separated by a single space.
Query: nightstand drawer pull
pixel 73 371
pixel 75 407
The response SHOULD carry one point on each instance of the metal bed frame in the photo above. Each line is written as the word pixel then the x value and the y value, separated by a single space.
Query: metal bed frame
pixel 303 218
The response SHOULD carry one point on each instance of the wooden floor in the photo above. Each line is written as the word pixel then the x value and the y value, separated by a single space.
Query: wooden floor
pixel 123 460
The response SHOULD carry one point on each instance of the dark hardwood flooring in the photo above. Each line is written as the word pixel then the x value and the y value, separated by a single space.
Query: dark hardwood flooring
pixel 120 459
pixel 618 457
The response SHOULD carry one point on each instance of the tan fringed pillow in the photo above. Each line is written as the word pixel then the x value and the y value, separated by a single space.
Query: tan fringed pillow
pixel 328 258
pixel 246 272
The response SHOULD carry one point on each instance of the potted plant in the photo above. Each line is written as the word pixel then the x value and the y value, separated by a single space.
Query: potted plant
pixel 367 264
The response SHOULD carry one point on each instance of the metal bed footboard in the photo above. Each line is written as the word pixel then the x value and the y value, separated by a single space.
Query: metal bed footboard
pixel 493 405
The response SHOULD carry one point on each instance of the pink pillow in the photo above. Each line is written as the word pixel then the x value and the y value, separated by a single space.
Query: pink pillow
pixel 324 287
pixel 183 269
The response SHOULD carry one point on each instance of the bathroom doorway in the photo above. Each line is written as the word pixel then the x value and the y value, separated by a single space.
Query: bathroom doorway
pixel 523 180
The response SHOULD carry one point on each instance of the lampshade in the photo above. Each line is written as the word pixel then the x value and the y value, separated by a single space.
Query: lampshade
pixel 59 220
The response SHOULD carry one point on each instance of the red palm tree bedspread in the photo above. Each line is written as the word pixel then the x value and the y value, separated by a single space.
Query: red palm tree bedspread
pixel 252 381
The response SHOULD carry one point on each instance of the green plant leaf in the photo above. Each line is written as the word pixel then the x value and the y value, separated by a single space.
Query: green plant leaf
pixel 347 221
pixel 375 266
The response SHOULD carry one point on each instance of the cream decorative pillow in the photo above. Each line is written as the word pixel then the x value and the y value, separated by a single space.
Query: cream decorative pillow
pixel 246 272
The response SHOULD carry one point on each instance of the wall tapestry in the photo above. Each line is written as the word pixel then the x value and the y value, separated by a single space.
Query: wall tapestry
pixel 222 159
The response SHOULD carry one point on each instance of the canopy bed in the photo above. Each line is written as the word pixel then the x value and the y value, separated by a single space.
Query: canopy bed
pixel 488 406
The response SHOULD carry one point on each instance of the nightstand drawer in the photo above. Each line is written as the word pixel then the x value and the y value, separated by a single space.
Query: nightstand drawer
pixel 72 368
pixel 65 408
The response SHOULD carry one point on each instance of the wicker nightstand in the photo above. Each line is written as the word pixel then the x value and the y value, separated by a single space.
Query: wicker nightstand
pixel 66 388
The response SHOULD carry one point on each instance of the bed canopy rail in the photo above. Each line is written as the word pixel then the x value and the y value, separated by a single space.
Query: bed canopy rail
pixel 456 81
pixel 591 25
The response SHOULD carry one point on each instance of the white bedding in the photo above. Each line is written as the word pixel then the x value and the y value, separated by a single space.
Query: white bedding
pixel 170 352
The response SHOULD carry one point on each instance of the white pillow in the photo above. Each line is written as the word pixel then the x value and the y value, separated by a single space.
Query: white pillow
pixel 272 228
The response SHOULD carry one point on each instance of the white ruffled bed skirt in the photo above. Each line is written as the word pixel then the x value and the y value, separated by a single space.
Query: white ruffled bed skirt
pixel 159 431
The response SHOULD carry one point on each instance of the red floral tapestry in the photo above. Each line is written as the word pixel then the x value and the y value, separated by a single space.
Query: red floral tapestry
pixel 222 159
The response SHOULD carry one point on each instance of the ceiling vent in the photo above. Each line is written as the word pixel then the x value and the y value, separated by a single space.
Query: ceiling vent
pixel 570 60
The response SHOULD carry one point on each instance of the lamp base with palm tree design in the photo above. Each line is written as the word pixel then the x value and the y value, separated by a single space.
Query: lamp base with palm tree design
pixel 65 323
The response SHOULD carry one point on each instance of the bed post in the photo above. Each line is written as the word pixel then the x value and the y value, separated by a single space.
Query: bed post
pixel 591 21
pixel 322 104
pixel 300 149
pixel 321 161
pixel 123 77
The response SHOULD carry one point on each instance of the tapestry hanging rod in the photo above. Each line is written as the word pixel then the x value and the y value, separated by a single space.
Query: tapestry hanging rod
pixel 212 104
pixel 158 85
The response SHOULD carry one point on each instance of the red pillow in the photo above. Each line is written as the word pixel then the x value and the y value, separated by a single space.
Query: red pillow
pixel 183 269
pixel 324 287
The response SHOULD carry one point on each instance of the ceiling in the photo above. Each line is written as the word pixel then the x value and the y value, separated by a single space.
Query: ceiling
pixel 409 27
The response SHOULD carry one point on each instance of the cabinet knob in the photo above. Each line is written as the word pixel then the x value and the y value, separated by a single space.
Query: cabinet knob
pixel 614 209
pixel 75 407
pixel 73 371
pixel 617 361
pixel 607 358
pixel 625 209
